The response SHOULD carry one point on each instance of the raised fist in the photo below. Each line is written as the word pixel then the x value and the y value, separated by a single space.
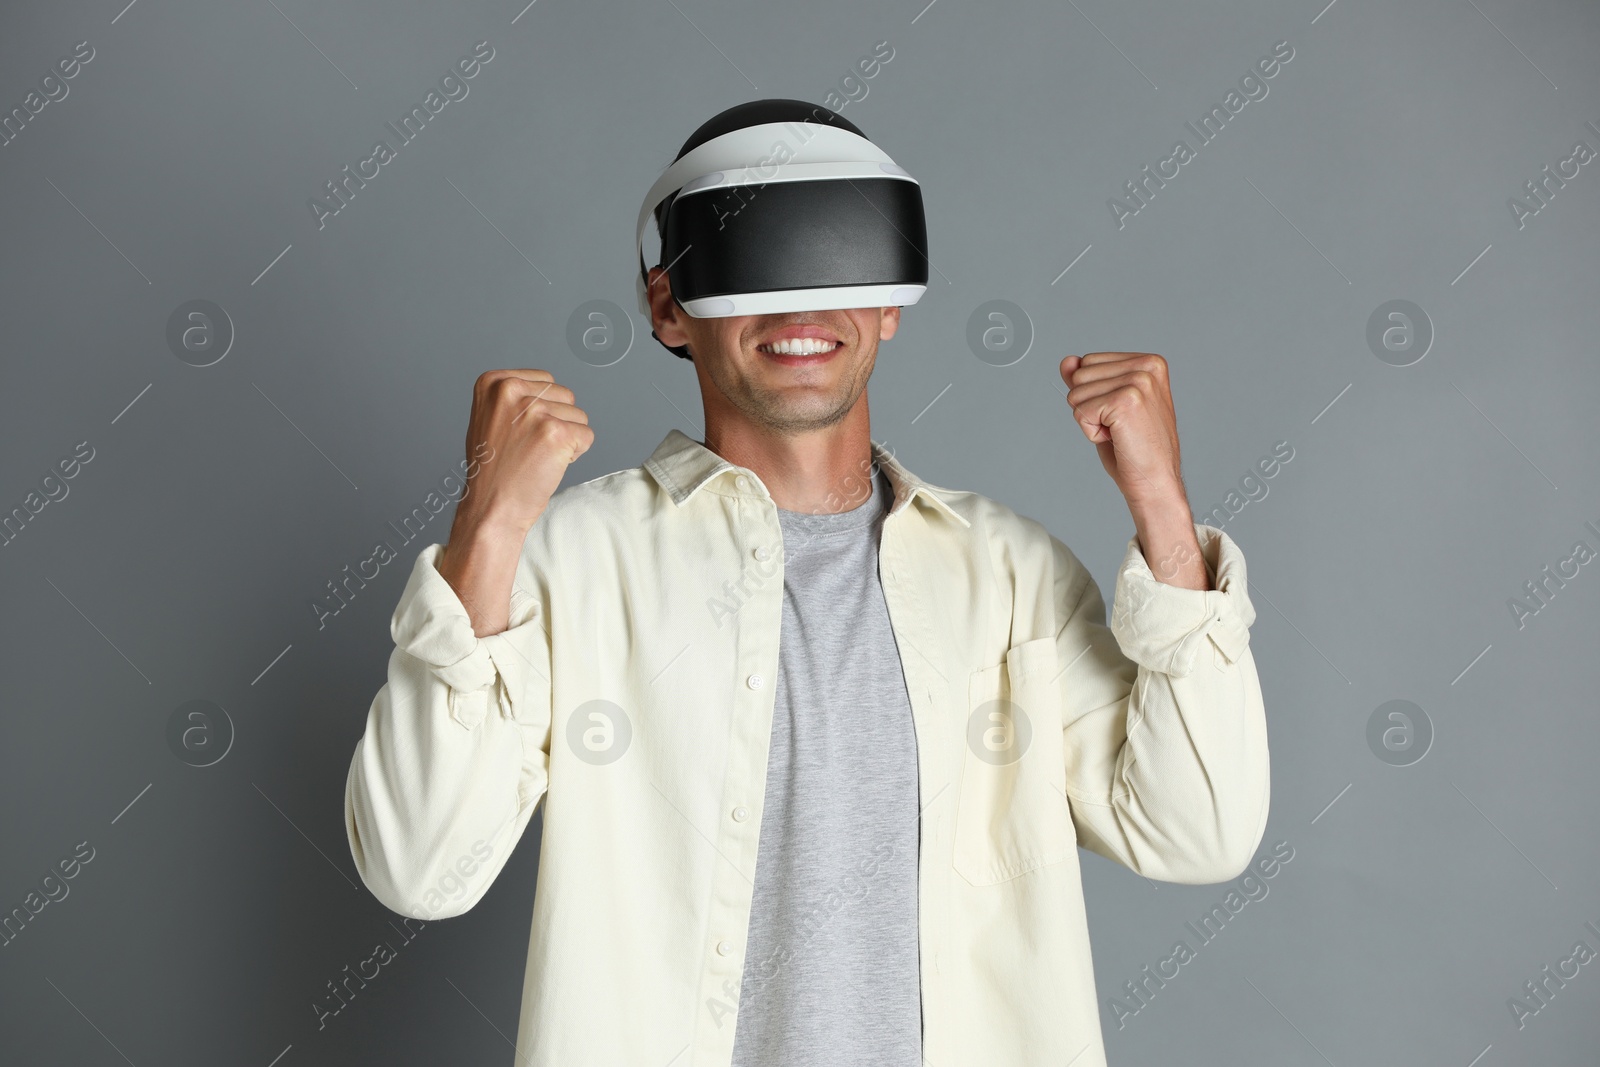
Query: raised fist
pixel 531 431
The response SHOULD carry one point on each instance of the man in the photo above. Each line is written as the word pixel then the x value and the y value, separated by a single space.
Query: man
pixel 817 740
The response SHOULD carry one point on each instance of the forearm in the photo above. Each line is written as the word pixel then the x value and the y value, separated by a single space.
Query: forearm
pixel 1192 789
pixel 480 563
pixel 1164 526
pixel 1166 729
pixel 423 793
pixel 454 749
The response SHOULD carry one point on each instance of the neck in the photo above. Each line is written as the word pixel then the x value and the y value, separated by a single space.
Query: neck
pixel 819 472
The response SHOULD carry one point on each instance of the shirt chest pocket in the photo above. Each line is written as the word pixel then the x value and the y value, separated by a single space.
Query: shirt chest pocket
pixel 1012 815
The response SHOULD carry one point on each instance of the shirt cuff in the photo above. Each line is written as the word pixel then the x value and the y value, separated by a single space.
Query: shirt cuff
pixel 1163 627
pixel 432 624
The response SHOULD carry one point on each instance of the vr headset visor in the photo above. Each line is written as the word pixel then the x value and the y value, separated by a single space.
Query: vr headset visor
pixel 786 216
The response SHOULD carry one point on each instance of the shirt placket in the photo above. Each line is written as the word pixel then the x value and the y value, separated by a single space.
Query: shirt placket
pixel 900 570
pixel 752 676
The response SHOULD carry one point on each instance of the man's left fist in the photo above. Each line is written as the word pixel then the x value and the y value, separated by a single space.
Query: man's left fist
pixel 1123 403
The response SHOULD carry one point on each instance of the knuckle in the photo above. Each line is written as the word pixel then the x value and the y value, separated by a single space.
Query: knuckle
pixel 549 429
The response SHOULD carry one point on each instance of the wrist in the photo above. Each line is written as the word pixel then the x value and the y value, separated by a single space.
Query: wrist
pixel 1166 507
pixel 488 529
pixel 481 538
pixel 480 564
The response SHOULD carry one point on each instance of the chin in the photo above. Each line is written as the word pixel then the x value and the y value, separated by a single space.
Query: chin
pixel 782 415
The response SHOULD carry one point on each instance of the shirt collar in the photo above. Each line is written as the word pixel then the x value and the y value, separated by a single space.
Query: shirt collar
pixel 683 465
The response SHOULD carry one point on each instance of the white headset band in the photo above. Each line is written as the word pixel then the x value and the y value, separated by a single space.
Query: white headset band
pixel 826 299
pixel 790 172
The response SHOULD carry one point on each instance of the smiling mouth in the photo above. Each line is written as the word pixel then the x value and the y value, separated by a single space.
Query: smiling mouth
pixel 800 346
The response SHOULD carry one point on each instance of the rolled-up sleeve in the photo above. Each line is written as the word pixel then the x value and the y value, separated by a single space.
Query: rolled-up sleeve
pixel 456 752
pixel 1165 732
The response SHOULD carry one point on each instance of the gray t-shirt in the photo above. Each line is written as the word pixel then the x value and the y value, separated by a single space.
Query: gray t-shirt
pixel 831 973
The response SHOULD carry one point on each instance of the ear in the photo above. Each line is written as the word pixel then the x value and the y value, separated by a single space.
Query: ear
pixel 666 316
pixel 889 324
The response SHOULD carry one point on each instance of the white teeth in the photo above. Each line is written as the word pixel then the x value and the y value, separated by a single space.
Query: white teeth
pixel 799 346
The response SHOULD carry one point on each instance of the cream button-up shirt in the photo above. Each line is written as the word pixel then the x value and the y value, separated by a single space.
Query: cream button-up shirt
pixel 632 694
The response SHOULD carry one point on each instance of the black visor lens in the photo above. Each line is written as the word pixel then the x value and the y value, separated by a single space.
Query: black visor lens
pixel 796 235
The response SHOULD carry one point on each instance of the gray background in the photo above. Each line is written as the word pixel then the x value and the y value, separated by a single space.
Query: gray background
pixel 182 564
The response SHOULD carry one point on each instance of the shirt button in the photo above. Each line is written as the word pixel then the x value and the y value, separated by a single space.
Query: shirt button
pixel 761 554
pixel 740 814
pixel 754 681
pixel 742 482
pixel 724 948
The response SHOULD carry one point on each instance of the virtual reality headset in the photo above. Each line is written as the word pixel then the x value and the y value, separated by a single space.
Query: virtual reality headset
pixel 787 216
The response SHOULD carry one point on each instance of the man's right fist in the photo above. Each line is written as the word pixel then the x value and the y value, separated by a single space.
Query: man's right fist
pixel 532 431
